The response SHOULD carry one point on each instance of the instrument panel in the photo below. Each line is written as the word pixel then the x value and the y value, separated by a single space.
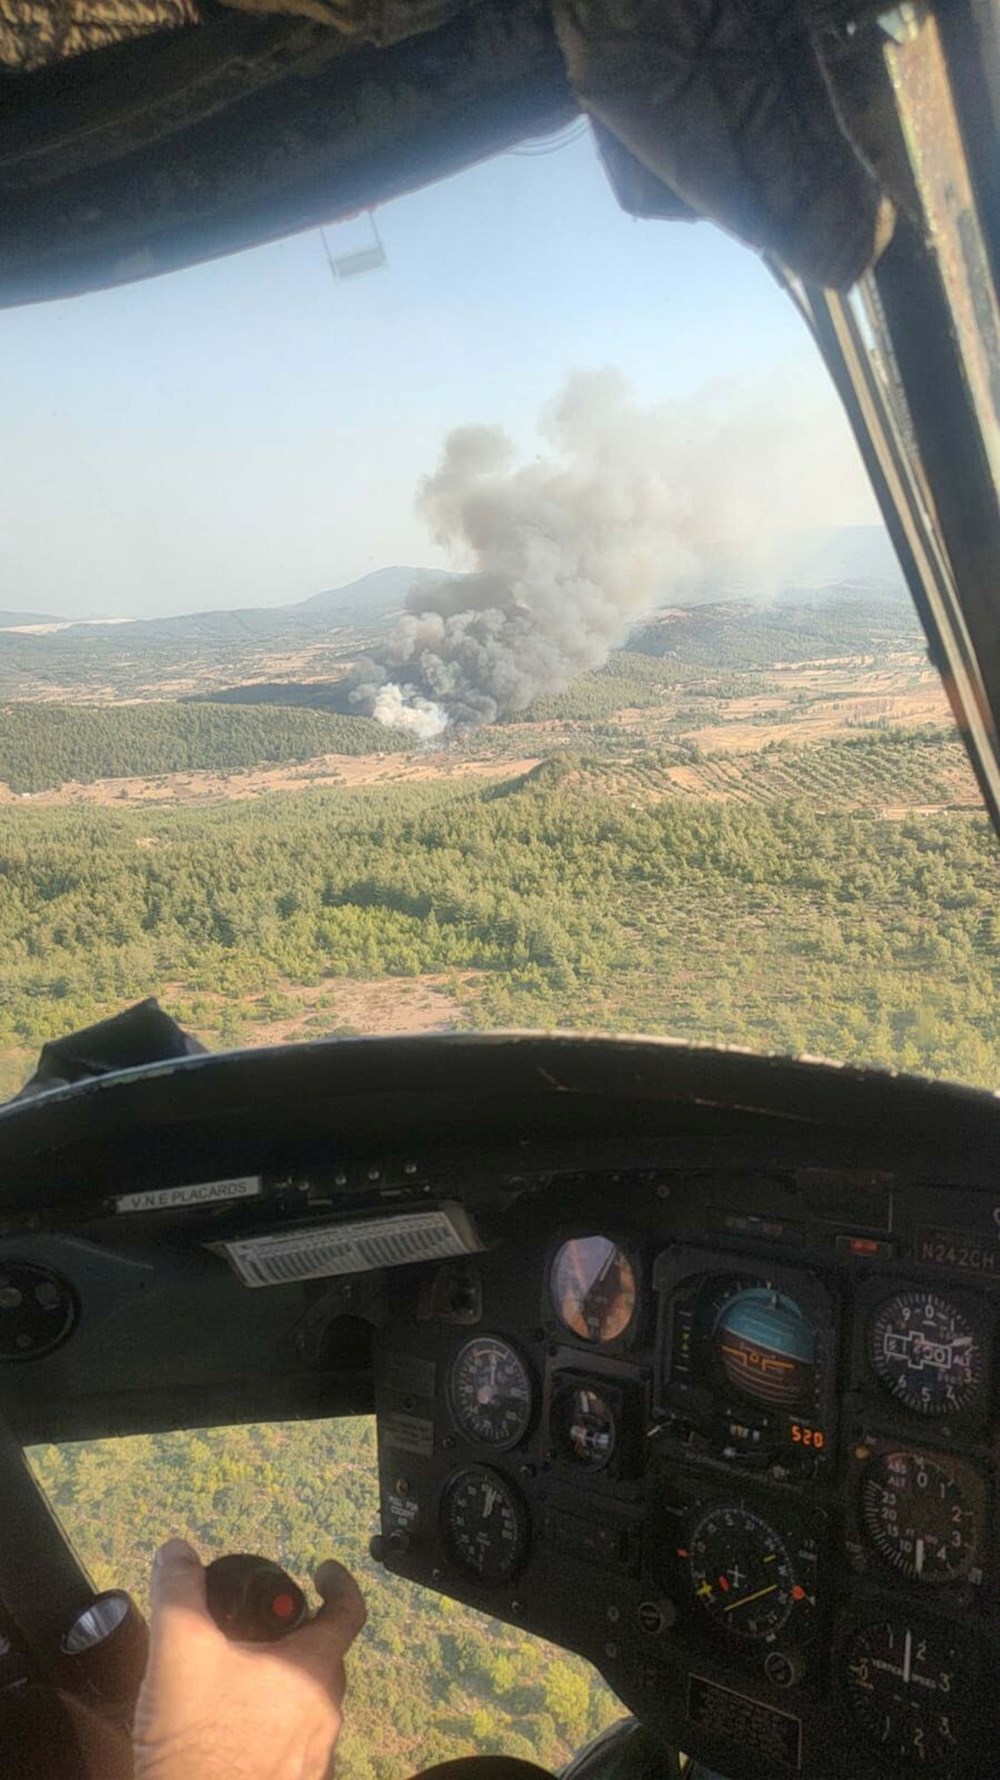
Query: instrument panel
pixel 757 1490
pixel 685 1360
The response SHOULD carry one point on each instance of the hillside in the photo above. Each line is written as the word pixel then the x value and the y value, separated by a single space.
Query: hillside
pixel 200 650
pixel 42 746
pixel 206 651
pixel 130 659
pixel 707 715
pixel 311 695
pixel 891 772
pixel 372 596
pixel 560 899
pixel 738 634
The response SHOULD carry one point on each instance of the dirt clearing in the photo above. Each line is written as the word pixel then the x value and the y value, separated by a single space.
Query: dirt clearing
pixel 344 770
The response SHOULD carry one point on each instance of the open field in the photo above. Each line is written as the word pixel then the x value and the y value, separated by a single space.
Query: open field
pixel 118 665
pixel 849 770
pixel 346 771
pixel 826 717
pixel 697 716
pixel 888 773
pixel 295 1013
pixel 729 711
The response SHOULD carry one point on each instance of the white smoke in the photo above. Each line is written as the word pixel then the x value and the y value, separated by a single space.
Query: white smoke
pixel 569 551
pixel 420 717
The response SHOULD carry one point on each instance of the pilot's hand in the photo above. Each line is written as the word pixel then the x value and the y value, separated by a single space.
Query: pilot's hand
pixel 213 1710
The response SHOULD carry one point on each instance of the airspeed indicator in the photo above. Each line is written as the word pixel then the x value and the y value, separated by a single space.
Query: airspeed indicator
pixel 490 1392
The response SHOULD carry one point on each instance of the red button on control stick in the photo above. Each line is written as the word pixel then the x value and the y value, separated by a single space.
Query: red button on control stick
pixel 252 1599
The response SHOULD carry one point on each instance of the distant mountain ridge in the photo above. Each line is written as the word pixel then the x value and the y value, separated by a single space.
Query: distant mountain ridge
pixel 370 598
pixel 850 566
pixel 818 563
pixel 373 595
pixel 11 620
pixel 131 655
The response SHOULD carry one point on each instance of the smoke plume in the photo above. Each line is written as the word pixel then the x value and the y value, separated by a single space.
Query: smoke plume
pixel 397 710
pixel 569 551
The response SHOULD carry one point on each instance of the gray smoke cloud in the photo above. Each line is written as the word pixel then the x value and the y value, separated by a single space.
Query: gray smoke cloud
pixel 567 552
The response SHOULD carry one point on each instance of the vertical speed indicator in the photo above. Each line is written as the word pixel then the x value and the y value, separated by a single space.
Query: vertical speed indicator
pixel 910 1692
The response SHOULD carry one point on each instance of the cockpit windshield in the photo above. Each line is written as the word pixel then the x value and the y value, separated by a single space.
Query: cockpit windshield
pixel 502 635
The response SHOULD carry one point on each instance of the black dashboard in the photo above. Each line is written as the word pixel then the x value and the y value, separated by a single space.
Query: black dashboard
pixel 685 1360
pixel 731 1444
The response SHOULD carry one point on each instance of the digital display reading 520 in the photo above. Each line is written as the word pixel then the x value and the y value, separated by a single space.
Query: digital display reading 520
pixel 800 1435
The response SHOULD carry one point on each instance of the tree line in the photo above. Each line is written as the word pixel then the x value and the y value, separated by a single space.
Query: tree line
pixel 47 745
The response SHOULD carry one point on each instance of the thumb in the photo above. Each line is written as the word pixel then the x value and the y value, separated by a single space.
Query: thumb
pixel 342 1614
pixel 178 1581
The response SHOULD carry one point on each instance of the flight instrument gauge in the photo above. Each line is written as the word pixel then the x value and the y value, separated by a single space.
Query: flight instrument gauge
pixel 490 1392
pixel 484 1524
pixel 926 1353
pixel 593 1287
pixel 761 1343
pixel 922 1515
pixel 909 1690
pixel 584 1427
pixel 749 1579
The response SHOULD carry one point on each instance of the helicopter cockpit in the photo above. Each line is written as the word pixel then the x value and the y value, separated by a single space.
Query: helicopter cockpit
pixel 683 1358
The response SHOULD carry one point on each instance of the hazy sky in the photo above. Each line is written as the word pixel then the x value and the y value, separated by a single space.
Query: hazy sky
pixel 249 432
